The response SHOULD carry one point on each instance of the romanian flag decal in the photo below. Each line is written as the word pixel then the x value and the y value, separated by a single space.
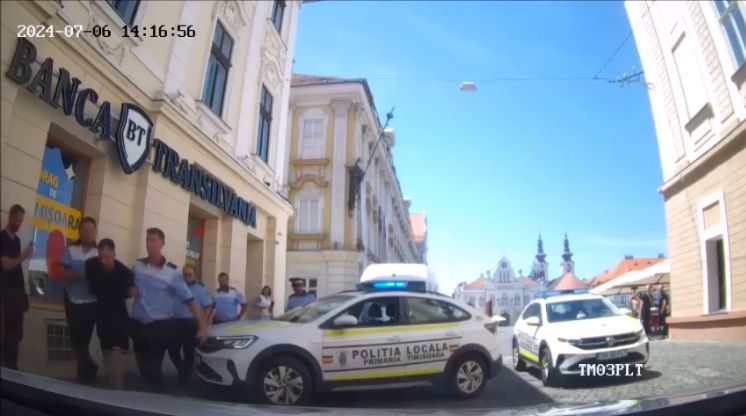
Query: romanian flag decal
pixel 327 360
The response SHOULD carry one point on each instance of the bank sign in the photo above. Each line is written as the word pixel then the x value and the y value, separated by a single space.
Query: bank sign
pixel 133 135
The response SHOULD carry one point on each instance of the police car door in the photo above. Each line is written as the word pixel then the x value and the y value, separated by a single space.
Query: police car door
pixel 433 333
pixel 372 349
pixel 528 341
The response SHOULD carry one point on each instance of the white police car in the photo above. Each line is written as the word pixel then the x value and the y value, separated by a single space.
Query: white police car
pixel 562 331
pixel 390 330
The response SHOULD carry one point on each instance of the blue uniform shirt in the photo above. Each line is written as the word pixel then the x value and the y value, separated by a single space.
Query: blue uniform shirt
pixel 160 289
pixel 200 294
pixel 74 259
pixel 227 303
pixel 296 301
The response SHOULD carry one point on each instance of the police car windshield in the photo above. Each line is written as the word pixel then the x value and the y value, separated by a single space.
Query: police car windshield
pixel 314 310
pixel 574 310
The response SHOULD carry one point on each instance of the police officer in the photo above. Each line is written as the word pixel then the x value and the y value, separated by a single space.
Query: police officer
pixel 227 301
pixel 299 297
pixel 160 288
pixel 185 336
pixel 80 302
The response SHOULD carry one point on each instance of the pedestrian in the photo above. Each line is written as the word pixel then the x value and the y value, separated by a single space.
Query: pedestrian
pixel 160 288
pixel 80 303
pixel 299 297
pixel 263 305
pixel 228 300
pixel 112 283
pixel 634 302
pixel 646 302
pixel 13 298
pixel 184 342
pixel 664 308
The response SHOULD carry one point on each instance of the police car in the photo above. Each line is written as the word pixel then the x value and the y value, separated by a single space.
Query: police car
pixel 560 331
pixel 390 330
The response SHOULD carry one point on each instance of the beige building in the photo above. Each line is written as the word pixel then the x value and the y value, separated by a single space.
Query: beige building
pixel 694 55
pixel 337 232
pixel 144 114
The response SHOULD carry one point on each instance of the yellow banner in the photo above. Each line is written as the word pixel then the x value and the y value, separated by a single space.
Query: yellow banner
pixel 50 215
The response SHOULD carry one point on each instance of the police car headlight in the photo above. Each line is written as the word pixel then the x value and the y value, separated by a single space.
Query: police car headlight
pixel 640 333
pixel 236 343
pixel 569 341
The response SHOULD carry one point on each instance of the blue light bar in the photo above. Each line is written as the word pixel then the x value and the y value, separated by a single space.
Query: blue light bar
pixel 389 285
pixel 551 293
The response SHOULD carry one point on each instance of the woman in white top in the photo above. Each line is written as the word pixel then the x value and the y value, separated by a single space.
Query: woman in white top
pixel 263 304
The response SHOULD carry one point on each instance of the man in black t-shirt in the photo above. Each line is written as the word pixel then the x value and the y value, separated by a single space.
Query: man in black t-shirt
pixel 112 282
pixel 12 289
pixel 646 302
pixel 664 307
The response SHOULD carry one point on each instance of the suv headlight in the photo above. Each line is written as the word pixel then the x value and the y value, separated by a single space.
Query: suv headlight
pixel 234 342
pixel 569 341
pixel 640 333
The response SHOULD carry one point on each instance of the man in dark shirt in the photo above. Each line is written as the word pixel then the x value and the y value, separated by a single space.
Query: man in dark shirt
pixel 112 282
pixel 12 290
pixel 646 302
pixel 663 308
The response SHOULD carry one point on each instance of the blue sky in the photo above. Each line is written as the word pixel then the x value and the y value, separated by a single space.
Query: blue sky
pixel 494 168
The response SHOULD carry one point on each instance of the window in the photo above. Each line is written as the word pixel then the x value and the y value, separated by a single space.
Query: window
pixel 217 70
pixel 309 216
pixel 312 139
pixel 717 289
pixel 265 122
pixel 525 299
pixel 428 311
pixel 278 11
pixel 482 301
pixel 504 301
pixel 60 195
pixel 533 310
pixel 472 301
pixel 126 9
pixel 59 347
pixel 731 17
pixel 376 311
pixel 517 300
pixel 315 310
pixel 580 309
pixel 692 84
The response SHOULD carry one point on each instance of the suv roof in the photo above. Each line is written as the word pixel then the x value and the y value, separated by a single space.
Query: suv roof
pixel 565 298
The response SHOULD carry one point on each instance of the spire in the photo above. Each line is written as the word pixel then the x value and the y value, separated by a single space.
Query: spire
pixel 540 256
pixel 567 254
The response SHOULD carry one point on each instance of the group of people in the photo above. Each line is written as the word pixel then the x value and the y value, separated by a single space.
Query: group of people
pixel 171 309
pixel 642 304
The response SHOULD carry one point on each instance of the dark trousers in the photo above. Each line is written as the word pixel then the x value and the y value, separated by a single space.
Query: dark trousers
pixel 150 342
pixel 183 342
pixel 81 318
pixel 663 325
pixel 14 307
pixel 645 319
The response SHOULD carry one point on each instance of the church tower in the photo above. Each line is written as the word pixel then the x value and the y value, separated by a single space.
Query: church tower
pixel 540 267
pixel 568 265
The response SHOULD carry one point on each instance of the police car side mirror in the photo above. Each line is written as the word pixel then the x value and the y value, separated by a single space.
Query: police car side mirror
pixel 345 320
pixel 533 321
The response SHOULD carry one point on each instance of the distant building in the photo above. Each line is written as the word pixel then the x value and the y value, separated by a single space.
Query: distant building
pixel 694 57
pixel 419 230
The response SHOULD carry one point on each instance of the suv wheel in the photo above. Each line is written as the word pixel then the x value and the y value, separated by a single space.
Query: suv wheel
pixel 549 375
pixel 468 376
pixel 518 363
pixel 284 380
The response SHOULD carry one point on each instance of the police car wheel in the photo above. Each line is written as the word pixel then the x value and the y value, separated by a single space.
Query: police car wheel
pixel 549 375
pixel 468 376
pixel 518 363
pixel 284 380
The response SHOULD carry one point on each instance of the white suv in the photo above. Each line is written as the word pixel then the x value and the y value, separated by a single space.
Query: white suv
pixel 560 333
pixel 386 332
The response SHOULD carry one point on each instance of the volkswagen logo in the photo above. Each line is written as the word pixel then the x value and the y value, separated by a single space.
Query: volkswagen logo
pixel 610 341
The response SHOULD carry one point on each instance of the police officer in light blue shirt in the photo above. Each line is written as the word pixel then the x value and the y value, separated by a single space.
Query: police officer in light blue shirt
pixel 299 297
pixel 227 302
pixel 185 339
pixel 160 289
pixel 80 303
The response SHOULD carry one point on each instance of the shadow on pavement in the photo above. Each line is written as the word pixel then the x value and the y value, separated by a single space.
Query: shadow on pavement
pixel 578 382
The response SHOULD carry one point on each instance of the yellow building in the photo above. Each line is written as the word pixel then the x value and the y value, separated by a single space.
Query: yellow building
pixel 143 114
pixel 694 55
pixel 337 232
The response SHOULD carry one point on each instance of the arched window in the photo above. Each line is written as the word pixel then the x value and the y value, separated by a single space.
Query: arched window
pixel 505 299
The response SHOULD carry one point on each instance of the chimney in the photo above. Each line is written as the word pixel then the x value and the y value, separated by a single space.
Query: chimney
pixel 629 257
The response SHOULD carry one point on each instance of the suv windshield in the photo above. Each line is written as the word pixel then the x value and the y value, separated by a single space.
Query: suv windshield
pixel 580 309
pixel 314 310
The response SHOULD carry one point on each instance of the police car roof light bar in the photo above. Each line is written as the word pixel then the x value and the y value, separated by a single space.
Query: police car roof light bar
pixel 551 293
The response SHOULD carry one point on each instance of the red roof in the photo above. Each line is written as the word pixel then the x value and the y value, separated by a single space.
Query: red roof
pixel 477 284
pixel 529 282
pixel 569 281
pixel 623 267
pixel 419 226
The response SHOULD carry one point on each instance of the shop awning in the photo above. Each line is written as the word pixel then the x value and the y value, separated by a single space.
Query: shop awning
pixel 659 273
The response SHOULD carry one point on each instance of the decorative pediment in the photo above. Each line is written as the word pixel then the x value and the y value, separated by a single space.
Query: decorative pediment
pixel 298 183
pixel 236 14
